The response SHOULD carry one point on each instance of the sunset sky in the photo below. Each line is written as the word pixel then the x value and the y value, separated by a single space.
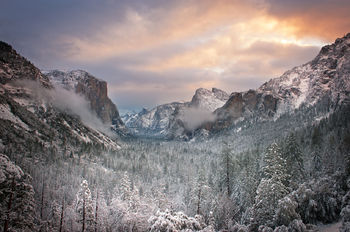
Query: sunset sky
pixel 157 51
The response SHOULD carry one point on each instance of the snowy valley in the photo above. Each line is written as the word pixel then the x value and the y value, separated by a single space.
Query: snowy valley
pixel 276 158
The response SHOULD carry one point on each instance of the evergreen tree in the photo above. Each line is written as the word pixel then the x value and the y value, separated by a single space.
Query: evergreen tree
pixel 271 187
pixel 286 211
pixel 245 187
pixel 226 169
pixel 200 196
pixel 17 197
pixel 294 161
pixel 101 212
pixel 316 162
pixel 84 207
pixel 178 221
pixel 159 196
pixel 345 212
pixel 126 188
pixel 62 216
pixel 274 165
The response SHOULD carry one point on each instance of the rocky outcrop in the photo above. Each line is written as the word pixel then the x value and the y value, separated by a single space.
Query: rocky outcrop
pixel 155 122
pixel 326 75
pixel 209 100
pixel 243 105
pixel 94 90
pixel 15 67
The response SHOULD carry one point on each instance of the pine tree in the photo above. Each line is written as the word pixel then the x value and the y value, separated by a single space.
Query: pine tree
pixel 84 207
pixel 345 212
pixel 226 169
pixel 200 195
pixel 96 210
pixel 274 164
pixel 316 161
pixel 17 197
pixel 271 187
pixel 101 212
pixel 178 221
pixel 159 196
pixel 286 211
pixel 62 216
pixel 126 190
pixel 294 161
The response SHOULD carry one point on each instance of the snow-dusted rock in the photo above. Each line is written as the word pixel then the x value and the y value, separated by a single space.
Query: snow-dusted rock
pixel 92 88
pixel 31 112
pixel 325 80
pixel 209 100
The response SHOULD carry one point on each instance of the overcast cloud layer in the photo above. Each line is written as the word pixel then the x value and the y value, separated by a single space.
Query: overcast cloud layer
pixel 153 52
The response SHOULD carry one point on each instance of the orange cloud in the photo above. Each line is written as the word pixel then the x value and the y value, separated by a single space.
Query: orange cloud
pixel 159 27
pixel 313 18
pixel 225 39
pixel 231 46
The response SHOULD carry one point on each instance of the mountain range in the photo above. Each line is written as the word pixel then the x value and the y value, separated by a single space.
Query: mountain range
pixel 324 80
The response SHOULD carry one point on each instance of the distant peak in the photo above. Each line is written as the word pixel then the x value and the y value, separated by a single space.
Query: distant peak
pixel 216 90
pixel 201 91
pixel 143 111
pixel 78 71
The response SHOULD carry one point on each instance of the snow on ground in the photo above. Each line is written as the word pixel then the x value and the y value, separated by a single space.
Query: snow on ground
pixel 334 227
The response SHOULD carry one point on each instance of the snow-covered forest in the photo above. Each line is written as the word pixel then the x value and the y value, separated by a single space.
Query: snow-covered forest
pixel 290 183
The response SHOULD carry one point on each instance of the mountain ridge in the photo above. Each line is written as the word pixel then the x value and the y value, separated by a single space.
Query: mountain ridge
pixel 326 77
pixel 32 119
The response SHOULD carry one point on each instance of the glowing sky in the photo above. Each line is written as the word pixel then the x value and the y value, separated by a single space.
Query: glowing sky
pixel 157 51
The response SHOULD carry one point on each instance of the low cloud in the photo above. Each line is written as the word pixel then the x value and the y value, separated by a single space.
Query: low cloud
pixel 194 117
pixel 69 102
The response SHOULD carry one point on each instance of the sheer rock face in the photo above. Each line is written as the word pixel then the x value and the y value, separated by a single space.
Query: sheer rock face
pixel 94 90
